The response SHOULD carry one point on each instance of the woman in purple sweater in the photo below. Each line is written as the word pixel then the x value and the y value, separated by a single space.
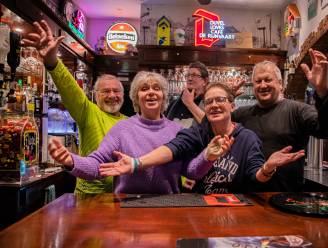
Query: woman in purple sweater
pixel 135 136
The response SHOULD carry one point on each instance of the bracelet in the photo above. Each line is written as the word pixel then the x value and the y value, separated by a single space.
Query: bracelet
pixel 136 165
pixel 268 174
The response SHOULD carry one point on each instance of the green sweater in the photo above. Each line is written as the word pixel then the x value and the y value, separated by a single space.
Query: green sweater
pixel 93 124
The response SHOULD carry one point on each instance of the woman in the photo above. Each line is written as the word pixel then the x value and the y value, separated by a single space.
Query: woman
pixel 136 136
pixel 239 167
pixel 244 163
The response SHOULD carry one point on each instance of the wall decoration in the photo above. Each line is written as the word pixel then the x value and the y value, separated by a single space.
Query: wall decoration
pixel 292 20
pixel 312 8
pixel 179 37
pixel 324 4
pixel 120 35
pixel 163 31
pixel 209 28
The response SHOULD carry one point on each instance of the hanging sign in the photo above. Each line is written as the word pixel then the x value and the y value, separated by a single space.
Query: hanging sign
pixel 120 35
pixel 163 31
pixel 209 28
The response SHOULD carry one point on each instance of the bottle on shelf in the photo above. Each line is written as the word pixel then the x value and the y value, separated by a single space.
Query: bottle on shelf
pixel 13 57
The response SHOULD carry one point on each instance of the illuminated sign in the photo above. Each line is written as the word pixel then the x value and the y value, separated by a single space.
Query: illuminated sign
pixel 120 35
pixel 209 28
pixel 77 24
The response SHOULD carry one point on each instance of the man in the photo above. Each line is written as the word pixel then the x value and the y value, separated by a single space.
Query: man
pixel 278 122
pixel 189 107
pixel 93 120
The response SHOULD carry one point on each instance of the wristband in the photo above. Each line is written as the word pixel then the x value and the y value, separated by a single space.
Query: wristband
pixel 268 174
pixel 135 165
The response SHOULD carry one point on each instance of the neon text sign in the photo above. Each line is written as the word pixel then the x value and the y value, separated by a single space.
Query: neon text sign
pixel 209 28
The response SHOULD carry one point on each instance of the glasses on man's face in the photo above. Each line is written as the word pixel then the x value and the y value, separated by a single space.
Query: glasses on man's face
pixel 218 99
pixel 107 92
pixel 193 75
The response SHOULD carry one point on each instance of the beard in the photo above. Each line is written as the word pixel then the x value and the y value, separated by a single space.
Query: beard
pixel 111 108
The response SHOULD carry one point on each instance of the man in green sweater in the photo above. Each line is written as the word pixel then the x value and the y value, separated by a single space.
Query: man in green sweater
pixel 93 120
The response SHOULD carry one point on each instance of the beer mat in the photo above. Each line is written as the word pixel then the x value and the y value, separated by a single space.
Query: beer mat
pixel 227 200
pixel 247 241
pixel 312 204
pixel 182 200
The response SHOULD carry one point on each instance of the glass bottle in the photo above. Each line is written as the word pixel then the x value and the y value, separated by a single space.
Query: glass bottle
pixel 13 57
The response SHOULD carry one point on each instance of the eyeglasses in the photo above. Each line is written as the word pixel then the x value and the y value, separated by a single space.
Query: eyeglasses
pixel 218 99
pixel 193 75
pixel 106 92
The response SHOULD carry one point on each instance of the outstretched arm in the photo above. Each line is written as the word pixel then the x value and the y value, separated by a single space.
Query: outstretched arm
pixel 124 165
pixel 279 158
pixel 84 167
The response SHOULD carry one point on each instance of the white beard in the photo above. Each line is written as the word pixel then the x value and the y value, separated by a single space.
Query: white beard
pixel 111 108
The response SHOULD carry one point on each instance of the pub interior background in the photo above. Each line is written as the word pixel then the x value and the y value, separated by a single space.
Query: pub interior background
pixel 280 31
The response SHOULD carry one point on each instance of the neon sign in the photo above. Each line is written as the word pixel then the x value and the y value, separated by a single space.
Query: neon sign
pixel 209 28
pixel 120 35
pixel 77 24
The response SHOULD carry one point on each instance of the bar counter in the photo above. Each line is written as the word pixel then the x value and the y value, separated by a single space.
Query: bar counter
pixel 98 221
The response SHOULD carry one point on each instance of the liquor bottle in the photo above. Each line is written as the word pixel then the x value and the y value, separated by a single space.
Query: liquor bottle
pixel 13 57
pixel 37 100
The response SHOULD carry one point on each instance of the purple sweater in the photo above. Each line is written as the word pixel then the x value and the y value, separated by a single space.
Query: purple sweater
pixel 135 137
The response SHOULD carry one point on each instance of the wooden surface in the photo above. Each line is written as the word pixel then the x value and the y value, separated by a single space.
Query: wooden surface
pixel 74 221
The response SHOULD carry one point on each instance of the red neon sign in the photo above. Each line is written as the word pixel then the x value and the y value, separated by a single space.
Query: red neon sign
pixel 204 15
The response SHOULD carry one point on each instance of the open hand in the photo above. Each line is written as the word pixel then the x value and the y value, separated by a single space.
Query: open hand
pixel 236 84
pixel 59 152
pixel 317 76
pixel 283 157
pixel 121 167
pixel 44 41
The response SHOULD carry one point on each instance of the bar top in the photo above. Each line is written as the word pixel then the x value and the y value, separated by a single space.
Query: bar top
pixel 98 221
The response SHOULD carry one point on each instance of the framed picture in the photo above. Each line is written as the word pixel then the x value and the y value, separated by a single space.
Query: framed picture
pixel 312 8
pixel 324 4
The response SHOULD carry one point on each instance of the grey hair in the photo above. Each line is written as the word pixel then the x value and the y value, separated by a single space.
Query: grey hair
pixel 106 77
pixel 268 63
pixel 144 77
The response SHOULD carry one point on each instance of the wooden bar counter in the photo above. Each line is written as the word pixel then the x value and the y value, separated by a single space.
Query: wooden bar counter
pixel 98 221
